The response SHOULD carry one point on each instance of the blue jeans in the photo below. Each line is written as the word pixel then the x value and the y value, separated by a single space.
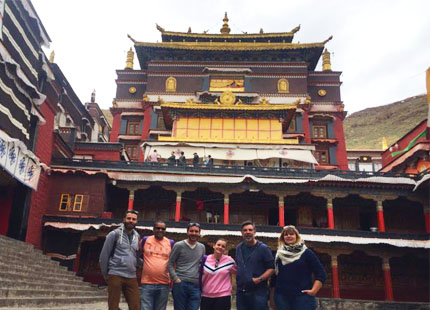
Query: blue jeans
pixel 186 296
pixel 154 296
pixel 300 302
pixel 253 300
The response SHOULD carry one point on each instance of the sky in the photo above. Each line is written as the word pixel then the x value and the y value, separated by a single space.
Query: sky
pixel 381 46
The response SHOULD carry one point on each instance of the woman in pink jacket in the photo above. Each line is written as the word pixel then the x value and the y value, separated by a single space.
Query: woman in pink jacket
pixel 216 279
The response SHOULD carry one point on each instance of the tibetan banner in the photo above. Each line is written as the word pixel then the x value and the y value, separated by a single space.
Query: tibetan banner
pixel 19 162
pixel 2 4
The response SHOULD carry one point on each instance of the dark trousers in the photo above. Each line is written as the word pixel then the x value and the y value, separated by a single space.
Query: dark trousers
pixel 130 289
pixel 253 300
pixel 218 303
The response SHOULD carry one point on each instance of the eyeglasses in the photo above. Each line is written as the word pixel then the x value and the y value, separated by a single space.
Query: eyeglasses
pixel 160 228
pixel 193 224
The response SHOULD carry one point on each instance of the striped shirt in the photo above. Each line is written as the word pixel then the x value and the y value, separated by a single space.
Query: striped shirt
pixel 216 279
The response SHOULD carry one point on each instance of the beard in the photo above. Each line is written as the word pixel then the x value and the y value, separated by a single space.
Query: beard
pixel 129 226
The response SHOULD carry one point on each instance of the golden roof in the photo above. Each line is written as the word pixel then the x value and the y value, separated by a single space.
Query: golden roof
pixel 232 46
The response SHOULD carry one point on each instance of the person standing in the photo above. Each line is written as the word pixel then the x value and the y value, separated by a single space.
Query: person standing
pixel 155 276
pixel 154 157
pixel 182 160
pixel 299 273
pixel 216 278
pixel 118 261
pixel 254 267
pixel 172 159
pixel 186 255
pixel 196 159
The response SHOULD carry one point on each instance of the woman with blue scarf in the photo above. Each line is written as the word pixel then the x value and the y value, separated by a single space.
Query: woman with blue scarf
pixel 299 274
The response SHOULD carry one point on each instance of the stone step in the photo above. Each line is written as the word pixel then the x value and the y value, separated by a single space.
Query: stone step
pixel 7 240
pixel 41 274
pixel 4 275
pixel 18 293
pixel 36 269
pixel 47 302
pixel 40 285
pixel 10 256
pixel 84 306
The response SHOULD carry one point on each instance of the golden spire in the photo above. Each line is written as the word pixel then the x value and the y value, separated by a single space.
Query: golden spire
pixel 130 57
pixel 384 143
pixel 51 57
pixel 225 28
pixel 326 61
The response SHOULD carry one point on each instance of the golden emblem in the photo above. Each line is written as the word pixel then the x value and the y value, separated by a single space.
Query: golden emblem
pixel 283 86
pixel 132 90
pixel 171 84
pixel 228 98
pixel 322 92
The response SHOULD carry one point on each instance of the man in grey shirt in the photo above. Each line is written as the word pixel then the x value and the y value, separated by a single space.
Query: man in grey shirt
pixel 187 255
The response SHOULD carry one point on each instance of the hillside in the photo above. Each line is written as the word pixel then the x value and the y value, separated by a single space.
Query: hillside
pixel 365 129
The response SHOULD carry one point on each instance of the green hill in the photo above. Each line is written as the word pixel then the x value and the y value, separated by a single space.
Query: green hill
pixel 365 129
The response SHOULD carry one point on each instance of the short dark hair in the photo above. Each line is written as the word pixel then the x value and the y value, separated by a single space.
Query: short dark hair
pixel 159 222
pixel 132 212
pixel 193 224
pixel 246 223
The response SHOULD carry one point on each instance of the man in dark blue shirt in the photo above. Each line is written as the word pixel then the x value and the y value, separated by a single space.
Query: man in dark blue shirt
pixel 255 266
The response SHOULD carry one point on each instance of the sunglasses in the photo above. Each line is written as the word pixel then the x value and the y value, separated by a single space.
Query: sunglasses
pixel 193 224
pixel 160 228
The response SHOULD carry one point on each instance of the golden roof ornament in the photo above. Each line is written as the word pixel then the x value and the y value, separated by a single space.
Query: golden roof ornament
pixel 51 57
pixel 264 101
pixel 261 31
pixel 189 29
pixel 384 143
pixel 326 61
pixel 225 28
pixel 129 61
pixel 159 28
pixel 227 98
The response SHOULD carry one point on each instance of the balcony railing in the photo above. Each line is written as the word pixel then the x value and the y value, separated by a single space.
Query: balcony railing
pixel 283 172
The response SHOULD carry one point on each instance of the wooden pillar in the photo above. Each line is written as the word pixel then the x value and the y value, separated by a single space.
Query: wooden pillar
pixel 380 215
pixel 335 277
pixel 226 208
pixel 281 211
pixel 330 216
pixel 427 219
pixel 130 199
pixel 387 279
pixel 178 206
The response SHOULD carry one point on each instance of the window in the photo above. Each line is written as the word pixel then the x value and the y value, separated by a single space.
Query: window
pixel 77 205
pixel 319 131
pixel 64 202
pixel 132 151
pixel 133 128
pixel 292 127
pixel 322 156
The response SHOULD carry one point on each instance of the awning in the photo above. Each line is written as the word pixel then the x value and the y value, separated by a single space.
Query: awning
pixel 18 161
pixel 232 152
pixel 306 237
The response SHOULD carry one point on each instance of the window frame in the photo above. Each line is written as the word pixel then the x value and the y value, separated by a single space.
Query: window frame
pixel 78 203
pixel 318 155
pixel 133 128
pixel 316 131
pixel 60 207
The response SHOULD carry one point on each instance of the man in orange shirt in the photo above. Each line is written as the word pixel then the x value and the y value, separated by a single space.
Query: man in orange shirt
pixel 155 276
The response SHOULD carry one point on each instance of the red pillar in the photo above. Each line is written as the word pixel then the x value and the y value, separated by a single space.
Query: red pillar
pixel 335 277
pixel 427 219
pixel 130 200
pixel 281 211
pixel 178 206
pixel 330 216
pixel 387 279
pixel 226 208
pixel 5 209
pixel 380 214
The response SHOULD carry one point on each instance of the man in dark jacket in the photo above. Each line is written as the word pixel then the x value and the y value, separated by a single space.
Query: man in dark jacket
pixel 255 265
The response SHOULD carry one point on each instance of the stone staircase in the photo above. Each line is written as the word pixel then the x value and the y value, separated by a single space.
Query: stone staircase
pixel 31 280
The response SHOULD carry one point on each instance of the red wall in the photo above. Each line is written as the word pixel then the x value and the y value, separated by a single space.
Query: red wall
pixel 341 156
pixel 5 207
pixel 116 124
pixel 100 154
pixel 40 198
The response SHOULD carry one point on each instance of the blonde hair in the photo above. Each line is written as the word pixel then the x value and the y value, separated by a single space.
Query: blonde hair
pixel 289 229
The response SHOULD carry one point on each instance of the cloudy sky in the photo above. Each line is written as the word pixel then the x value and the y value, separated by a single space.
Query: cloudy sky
pixel 381 46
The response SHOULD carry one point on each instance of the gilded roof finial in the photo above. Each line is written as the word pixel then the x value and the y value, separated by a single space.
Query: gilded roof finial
pixel 261 31
pixel 159 28
pixel 51 57
pixel 326 61
pixel 93 96
pixel 225 28
pixel 130 57
pixel 189 29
